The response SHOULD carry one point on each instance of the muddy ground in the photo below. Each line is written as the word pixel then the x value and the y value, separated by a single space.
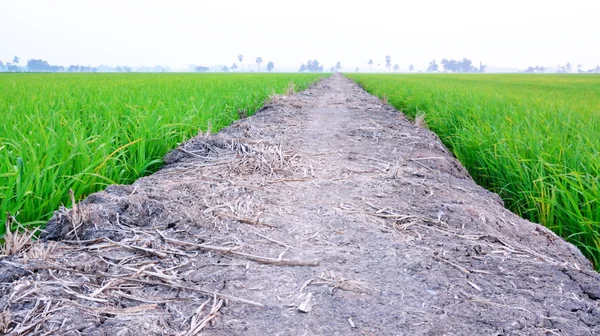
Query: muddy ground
pixel 326 213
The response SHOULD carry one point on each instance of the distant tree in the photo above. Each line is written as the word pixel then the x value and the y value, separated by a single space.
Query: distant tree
pixel 568 67
pixel 311 66
pixel 258 62
pixel 396 67
pixel 38 65
pixel 2 65
pixel 378 67
pixel 201 69
pixel 338 66
pixel 332 69
pixel 241 58
pixel 541 69
pixel 16 60
pixel 370 63
pixel 11 67
pixel 579 68
pixel 234 66
pixel 597 69
pixel 466 65
pixel 357 69
pixel 225 68
pixel 433 67
pixel 82 68
pixel 411 68
pixel 270 66
pixel 388 62
pixel 482 67
pixel 449 65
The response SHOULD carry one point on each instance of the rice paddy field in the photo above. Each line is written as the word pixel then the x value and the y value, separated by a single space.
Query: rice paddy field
pixel 533 139
pixel 85 131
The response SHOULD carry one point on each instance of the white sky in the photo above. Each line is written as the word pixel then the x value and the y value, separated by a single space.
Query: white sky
pixel 508 33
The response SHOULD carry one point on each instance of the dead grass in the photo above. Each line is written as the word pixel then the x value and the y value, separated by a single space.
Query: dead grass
pixel 39 251
pixel 291 89
pixel 5 321
pixel 15 242
pixel 420 120
pixel 198 322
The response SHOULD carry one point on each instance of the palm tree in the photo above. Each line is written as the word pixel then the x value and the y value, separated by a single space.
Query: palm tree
pixel 568 67
pixel 388 62
pixel 579 68
pixel 396 67
pixel 378 66
pixel 258 62
pixel 225 68
pixel 2 65
pixel 241 58
pixel 357 69
pixel 234 66
pixel 370 63
pixel 338 66
pixel 411 68
pixel 15 60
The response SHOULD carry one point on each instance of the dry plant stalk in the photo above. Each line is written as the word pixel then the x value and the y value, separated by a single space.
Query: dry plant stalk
pixel 242 113
pixel 273 98
pixel 15 242
pixel 420 120
pixel 39 251
pixel 384 99
pixel 197 324
pixel 291 89
pixel 78 216
pixel 5 320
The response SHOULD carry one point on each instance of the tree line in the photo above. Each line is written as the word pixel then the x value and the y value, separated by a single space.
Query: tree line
pixel 448 65
pixel 234 66
pixel 567 68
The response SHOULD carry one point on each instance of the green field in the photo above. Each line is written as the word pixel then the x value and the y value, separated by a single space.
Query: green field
pixel 533 139
pixel 85 131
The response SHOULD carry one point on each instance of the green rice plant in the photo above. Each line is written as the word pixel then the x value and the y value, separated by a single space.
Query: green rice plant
pixel 85 131
pixel 533 139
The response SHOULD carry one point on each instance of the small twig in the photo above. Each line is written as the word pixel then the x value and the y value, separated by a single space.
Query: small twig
pixel 199 290
pixel 258 259
pixel 193 154
pixel 429 158
pixel 243 220
pixel 153 252
pixel 462 269
pixel 273 240
pixel 420 164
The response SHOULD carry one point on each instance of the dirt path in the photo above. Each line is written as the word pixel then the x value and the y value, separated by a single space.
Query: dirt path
pixel 324 214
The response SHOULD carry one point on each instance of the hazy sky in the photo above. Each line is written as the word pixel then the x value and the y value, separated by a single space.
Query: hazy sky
pixel 507 33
